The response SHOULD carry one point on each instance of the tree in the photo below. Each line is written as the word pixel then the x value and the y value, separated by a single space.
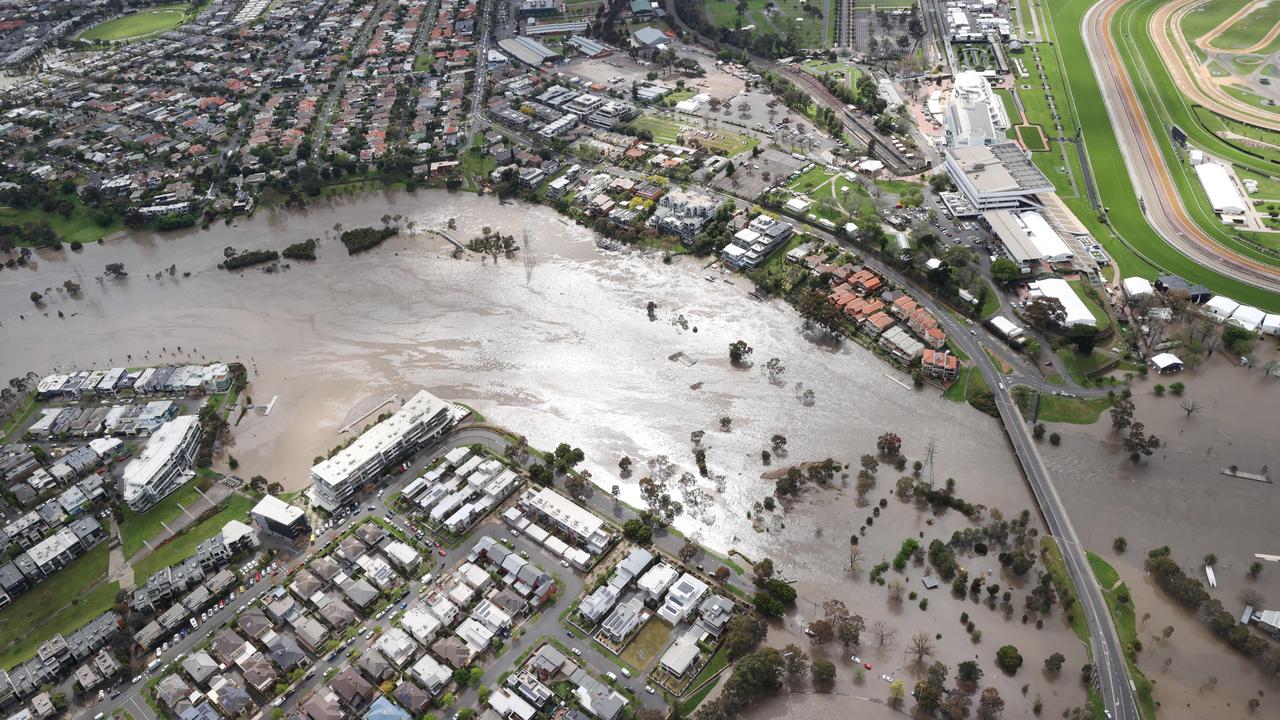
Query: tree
pixel 990 705
pixel 1083 337
pixel 1177 388
pixel 1190 406
pixel 624 466
pixel 1008 659
pixel 824 672
pixel 897 693
pixel 1005 270
pixel 779 444
pixel 1119 544
pixel 688 551
pixel 743 634
pixel 884 634
pixel 1121 414
pixel 889 445
pixel 821 632
pixel 1046 312
pixel 763 570
pixel 1255 569
pixel 969 671
pixel 739 351
pixel 796 662
pixel 1054 662
pixel 637 532
pixel 540 474
pixel 769 605
pixel 36 297
pixel 920 646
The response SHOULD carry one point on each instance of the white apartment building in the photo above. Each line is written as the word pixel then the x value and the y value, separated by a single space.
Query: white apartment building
pixel 164 465
pixel 423 418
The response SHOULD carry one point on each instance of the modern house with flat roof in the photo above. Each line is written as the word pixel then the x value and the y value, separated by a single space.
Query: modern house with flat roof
pixel 279 517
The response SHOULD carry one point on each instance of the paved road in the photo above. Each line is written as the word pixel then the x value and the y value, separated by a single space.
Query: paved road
pixel 1148 172
pixel 1108 658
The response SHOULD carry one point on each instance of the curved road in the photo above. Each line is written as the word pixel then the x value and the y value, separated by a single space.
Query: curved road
pixel 1147 169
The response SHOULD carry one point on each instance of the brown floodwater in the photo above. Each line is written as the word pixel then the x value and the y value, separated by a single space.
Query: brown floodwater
pixel 1179 498
pixel 557 345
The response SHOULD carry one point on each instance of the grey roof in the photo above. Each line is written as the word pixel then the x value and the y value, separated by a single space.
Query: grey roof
pixel 200 666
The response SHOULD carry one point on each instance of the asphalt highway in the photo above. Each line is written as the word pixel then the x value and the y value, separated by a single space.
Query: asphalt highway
pixel 1150 175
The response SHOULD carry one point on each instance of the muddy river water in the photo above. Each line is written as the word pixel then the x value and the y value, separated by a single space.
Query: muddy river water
pixel 556 344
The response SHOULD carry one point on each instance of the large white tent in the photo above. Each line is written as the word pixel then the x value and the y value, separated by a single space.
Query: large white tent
pixel 1248 317
pixel 1223 195
pixel 1077 312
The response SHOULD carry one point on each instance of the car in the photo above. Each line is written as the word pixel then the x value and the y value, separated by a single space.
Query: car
pixel 442 552
pixel 625 672
pixel 404 605
pixel 164 648
pixel 866 665
pixel 437 543
pixel 569 633
pixel 194 624
pixel 564 563
pixel 371 508
pixel 613 677
pixel 1001 385
pixel 649 689
pixel 515 532
pixel 368 635
pixel 115 693
pixel 102 695
pixel 135 679
pixel 577 652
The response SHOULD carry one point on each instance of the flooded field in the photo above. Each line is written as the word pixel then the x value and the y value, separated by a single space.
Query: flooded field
pixel 1179 498
pixel 559 348
pixel 556 343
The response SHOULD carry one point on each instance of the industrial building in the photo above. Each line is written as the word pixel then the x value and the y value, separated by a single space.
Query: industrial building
pixel 529 51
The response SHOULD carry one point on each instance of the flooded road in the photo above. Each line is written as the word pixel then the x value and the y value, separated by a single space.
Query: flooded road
pixel 558 346
pixel 1179 498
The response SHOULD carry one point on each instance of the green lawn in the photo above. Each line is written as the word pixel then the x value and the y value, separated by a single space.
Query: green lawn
pixel 811 180
pixel 714 665
pixel 1082 366
pixel 59 604
pixel 1207 16
pixel 144 22
pixel 184 545
pixel 1100 315
pixel 77 227
pixel 956 391
pixel 1250 29
pixel 140 527
pixel 1032 137
pixel 1079 411
pixel 1129 239
pixel 20 418
pixel 664 130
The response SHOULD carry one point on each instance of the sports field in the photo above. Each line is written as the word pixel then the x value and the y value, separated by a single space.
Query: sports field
pixel 811 30
pixel 721 141
pixel 1129 239
pixel 135 25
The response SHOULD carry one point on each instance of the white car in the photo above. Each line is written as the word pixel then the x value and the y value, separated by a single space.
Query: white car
pixel 625 672
pixel 612 676
pixel 649 689
pixel 577 652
